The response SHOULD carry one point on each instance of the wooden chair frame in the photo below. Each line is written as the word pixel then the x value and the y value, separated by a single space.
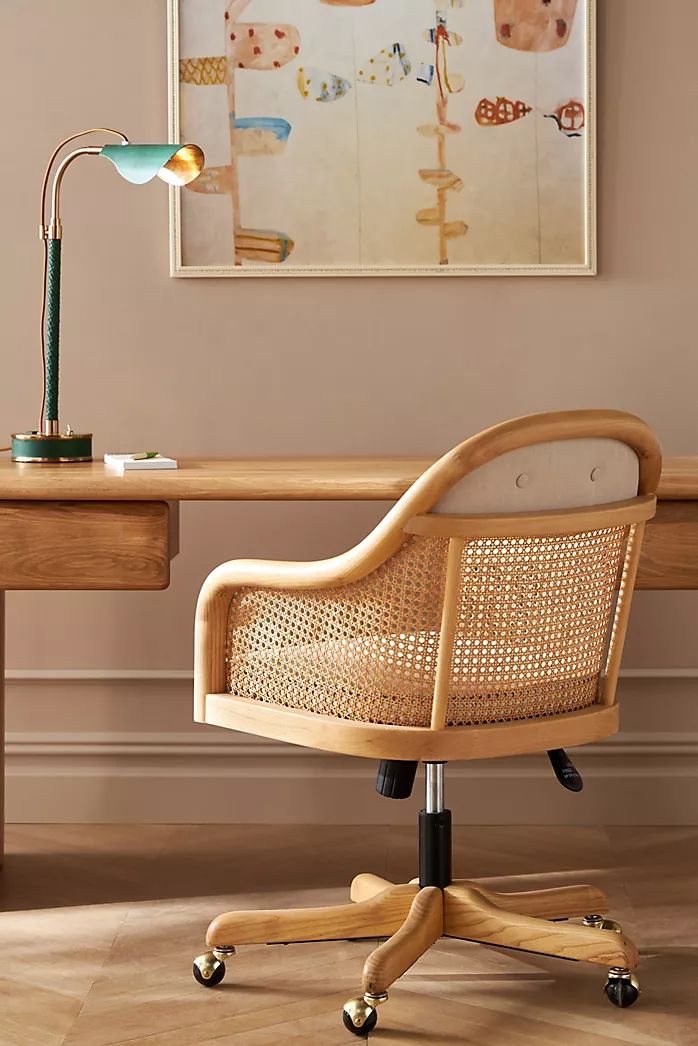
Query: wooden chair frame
pixel 415 918
pixel 412 515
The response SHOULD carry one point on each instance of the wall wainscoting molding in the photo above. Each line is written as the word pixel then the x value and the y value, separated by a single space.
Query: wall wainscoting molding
pixel 172 745
pixel 77 675
pixel 118 765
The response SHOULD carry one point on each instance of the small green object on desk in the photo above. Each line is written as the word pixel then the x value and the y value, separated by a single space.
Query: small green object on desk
pixel 145 455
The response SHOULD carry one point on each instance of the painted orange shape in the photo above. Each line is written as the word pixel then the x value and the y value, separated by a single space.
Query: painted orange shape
pixel 262 45
pixel 502 111
pixel 570 118
pixel 534 25
pixel 204 72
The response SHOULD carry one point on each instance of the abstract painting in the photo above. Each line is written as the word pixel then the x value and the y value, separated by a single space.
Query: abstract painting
pixel 384 137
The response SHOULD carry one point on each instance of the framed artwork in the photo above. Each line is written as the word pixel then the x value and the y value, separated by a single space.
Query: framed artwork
pixel 385 137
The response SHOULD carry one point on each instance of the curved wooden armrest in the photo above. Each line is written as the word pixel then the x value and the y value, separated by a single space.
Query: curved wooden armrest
pixel 273 573
pixel 220 586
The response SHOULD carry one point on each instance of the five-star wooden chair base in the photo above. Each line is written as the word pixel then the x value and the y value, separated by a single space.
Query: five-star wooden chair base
pixel 413 919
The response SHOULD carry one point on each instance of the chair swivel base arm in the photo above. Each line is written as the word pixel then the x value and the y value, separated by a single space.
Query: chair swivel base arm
pixel 413 916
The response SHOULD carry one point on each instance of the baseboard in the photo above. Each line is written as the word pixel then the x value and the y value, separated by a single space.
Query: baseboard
pixel 184 779
pixel 94 770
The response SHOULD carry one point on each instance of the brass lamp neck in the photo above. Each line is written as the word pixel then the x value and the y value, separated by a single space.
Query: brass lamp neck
pixel 53 230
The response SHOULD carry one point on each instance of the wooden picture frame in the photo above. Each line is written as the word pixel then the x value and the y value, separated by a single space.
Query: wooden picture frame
pixel 478 231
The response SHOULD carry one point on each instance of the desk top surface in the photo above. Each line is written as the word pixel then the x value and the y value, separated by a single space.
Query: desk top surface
pixel 259 479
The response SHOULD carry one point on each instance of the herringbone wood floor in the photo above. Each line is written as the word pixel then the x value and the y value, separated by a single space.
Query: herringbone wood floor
pixel 100 925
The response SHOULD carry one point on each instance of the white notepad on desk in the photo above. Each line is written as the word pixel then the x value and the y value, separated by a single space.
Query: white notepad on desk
pixel 127 463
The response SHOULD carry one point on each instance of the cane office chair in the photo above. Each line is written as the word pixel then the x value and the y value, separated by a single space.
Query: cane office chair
pixel 484 616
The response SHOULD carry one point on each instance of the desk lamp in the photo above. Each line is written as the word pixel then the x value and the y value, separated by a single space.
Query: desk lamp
pixel 176 164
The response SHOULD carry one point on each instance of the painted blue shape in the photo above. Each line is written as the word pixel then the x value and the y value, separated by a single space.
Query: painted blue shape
pixel 335 88
pixel 286 247
pixel 281 129
pixel 400 53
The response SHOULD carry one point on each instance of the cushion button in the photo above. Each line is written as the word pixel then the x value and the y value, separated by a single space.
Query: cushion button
pixel 595 474
pixel 522 480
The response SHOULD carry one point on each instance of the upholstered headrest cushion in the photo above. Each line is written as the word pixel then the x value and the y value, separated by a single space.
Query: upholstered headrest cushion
pixel 565 474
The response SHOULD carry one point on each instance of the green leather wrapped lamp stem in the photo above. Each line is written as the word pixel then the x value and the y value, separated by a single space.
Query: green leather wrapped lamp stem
pixel 41 447
pixel 53 325
pixel 175 164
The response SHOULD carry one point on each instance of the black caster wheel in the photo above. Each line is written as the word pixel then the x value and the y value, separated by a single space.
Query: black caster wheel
pixel 621 988
pixel 208 970
pixel 358 1010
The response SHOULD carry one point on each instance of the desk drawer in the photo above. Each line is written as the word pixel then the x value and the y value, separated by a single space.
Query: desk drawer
pixel 87 544
pixel 669 553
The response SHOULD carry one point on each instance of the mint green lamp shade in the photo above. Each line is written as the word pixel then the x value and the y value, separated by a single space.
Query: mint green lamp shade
pixel 138 164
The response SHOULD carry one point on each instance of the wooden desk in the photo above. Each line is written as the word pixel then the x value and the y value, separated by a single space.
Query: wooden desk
pixel 260 479
pixel 83 527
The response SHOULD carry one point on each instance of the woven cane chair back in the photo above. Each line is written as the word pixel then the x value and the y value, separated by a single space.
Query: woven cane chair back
pixel 497 590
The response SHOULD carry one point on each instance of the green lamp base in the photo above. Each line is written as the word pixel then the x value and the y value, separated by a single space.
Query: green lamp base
pixel 34 447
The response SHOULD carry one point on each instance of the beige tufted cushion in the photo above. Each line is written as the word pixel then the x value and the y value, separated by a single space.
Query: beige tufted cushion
pixel 564 474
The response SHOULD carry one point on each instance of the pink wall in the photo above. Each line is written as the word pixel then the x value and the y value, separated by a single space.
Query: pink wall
pixel 334 366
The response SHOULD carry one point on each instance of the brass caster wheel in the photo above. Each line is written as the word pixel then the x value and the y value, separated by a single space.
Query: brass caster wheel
pixel 599 923
pixel 622 988
pixel 359 1015
pixel 208 969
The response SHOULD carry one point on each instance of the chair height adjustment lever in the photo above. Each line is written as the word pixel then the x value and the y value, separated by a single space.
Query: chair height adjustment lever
pixel 395 778
pixel 565 771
